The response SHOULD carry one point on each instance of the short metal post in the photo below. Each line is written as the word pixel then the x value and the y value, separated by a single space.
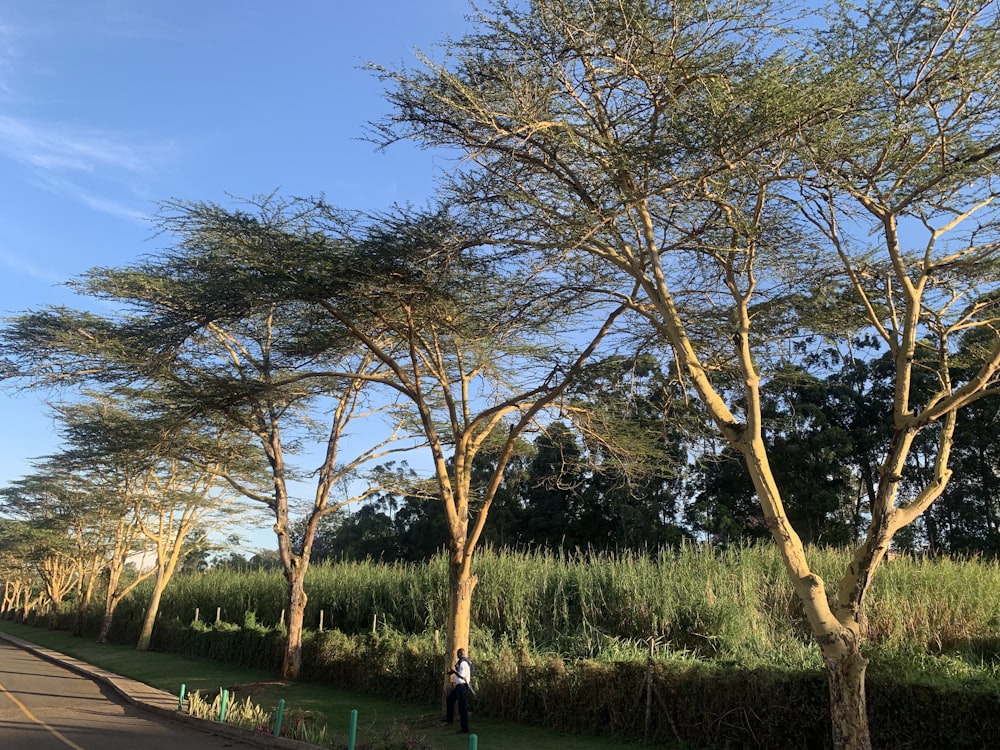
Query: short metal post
pixel 222 707
pixel 278 717
pixel 180 700
pixel 473 742
pixel 352 735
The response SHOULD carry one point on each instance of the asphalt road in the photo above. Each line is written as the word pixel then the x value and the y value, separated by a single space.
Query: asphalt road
pixel 44 706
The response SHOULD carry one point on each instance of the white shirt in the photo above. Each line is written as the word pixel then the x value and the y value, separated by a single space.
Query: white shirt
pixel 462 673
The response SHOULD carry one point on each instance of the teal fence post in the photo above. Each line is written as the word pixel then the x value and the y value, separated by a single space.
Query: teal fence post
pixel 278 717
pixel 352 735
pixel 222 707
pixel 180 701
pixel 473 742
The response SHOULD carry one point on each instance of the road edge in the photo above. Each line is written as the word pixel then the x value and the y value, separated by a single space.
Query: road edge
pixel 155 701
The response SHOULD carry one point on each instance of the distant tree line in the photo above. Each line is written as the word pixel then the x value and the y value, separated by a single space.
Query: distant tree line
pixel 563 491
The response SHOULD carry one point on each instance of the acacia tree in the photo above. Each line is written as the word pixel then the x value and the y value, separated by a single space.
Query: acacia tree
pixel 469 343
pixel 119 502
pixel 208 337
pixel 15 582
pixel 677 141
pixel 21 590
pixel 488 343
pixel 164 497
pixel 915 165
pixel 53 489
pixel 47 511
pixel 108 524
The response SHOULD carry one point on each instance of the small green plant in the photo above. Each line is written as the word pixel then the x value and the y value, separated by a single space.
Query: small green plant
pixel 248 715
pixel 307 726
pixel 245 714
pixel 201 708
pixel 399 737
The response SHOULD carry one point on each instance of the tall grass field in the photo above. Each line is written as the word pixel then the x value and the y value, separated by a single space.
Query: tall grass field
pixel 733 606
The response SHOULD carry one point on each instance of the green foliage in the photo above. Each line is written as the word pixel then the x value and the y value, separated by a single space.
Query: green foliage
pixel 245 713
pixel 731 606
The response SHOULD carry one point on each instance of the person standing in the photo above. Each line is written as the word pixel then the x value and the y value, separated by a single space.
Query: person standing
pixel 461 677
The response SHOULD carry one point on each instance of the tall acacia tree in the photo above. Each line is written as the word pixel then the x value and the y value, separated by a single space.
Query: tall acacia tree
pixel 690 147
pixel 468 343
pixel 202 337
pixel 487 343
pixel 54 516
pixel 123 500
pixel 53 490
pixel 161 498
pixel 20 589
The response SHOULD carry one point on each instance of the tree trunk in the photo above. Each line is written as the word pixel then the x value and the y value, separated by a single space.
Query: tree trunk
pixel 152 608
pixel 461 583
pixel 10 594
pixel 460 606
pixel 291 664
pixel 848 705
pixel 83 605
pixel 80 615
pixel 106 620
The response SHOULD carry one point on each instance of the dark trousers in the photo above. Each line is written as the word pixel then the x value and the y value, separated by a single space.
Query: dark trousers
pixel 460 695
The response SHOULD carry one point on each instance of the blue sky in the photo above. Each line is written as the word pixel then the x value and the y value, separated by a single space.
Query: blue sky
pixel 108 106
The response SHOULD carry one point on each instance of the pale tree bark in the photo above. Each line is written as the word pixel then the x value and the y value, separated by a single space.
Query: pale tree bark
pixel 295 560
pixel 23 588
pixel 30 601
pixel 122 544
pixel 88 572
pixel 11 594
pixel 178 502
pixel 469 428
pixel 58 574
pixel 116 593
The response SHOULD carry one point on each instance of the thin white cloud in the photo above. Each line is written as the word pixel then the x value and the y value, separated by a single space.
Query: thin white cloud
pixel 19 265
pixel 94 169
pixel 62 148
pixel 125 23
pixel 98 168
pixel 91 199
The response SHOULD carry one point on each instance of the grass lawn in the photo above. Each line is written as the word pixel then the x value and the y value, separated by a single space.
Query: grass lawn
pixel 377 717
